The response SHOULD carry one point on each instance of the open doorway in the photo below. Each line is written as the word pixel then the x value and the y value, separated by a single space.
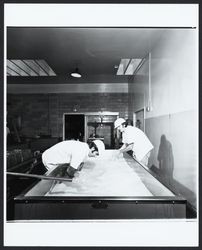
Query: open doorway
pixel 139 119
pixel 102 131
pixel 73 127
pixel 100 125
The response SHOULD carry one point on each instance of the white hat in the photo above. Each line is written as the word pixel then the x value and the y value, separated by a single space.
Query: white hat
pixel 118 122
pixel 100 145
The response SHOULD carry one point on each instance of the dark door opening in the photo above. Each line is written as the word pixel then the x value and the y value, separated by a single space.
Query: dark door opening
pixel 74 127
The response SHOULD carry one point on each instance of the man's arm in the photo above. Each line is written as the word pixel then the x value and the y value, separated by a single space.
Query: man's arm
pixel 126 147
pixel 78 156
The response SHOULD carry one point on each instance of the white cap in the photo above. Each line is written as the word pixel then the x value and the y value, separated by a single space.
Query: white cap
pixel 100 145
pixel 118 122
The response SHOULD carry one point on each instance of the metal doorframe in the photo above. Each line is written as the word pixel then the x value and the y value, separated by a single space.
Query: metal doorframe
pixel 86 114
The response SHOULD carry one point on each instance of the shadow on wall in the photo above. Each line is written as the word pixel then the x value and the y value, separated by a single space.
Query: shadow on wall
pixel 166 161
pixel 165 173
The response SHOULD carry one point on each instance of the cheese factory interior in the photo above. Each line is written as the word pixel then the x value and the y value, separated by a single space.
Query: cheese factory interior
pixel 147 75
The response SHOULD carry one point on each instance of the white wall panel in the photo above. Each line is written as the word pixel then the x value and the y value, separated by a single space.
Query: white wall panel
pixel 174 73
pixel 174 95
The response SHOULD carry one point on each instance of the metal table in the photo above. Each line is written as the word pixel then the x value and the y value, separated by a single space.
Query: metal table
pixel 110 186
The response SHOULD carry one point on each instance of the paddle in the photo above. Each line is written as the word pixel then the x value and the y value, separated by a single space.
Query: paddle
pixel 40 176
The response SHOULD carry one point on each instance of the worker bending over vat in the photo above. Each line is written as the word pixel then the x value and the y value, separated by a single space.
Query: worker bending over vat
pixel 71 154
pixel 134 139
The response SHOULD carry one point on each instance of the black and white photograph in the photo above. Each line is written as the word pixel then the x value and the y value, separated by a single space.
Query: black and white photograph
pixel 101 124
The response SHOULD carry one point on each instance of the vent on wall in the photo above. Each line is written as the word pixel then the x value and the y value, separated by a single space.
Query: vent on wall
pixel 29 68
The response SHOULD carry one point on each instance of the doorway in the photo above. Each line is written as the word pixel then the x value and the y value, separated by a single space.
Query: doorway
pixel 138 119
pixel 100 125
pixel 74 127
pixel 102 131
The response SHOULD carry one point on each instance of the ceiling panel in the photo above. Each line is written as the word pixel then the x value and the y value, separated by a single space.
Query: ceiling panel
pixel 97 52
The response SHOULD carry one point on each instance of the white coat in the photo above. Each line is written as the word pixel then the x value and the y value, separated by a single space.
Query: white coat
pixel 71 152
pixel 141 144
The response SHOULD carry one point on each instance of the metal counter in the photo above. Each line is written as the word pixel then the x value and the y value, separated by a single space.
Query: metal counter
pixel 110 186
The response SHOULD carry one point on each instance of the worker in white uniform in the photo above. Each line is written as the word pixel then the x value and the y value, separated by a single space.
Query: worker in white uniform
pixel 134 139
pixel 72 154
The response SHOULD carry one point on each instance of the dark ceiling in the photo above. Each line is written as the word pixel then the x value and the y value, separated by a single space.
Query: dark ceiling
pixel 95 51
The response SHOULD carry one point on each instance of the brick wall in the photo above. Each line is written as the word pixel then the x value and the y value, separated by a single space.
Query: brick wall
pixel 43 113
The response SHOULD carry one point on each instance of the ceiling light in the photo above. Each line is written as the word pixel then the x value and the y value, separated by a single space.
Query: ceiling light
pixel 76 73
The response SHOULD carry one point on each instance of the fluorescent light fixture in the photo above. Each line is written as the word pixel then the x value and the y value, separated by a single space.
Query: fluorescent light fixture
pixel 44 65
pixel 128 66
pixel 76 73
pixel 36 67
pixel 122 66
pixel 21 64
pixel 39 67
pixel 15 69
pixel 132 66
pixel 11 72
